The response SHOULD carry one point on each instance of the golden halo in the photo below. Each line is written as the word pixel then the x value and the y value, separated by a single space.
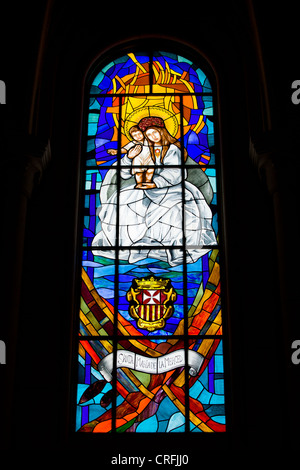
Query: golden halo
pixel 134 118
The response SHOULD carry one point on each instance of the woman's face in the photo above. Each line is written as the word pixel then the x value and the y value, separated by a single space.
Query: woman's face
pixel 153 135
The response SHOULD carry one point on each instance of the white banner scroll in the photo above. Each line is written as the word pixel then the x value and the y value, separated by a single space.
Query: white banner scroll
pixel 151 365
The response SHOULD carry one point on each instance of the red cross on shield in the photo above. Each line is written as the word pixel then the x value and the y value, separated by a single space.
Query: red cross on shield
pixel 151 304
pixel 151 297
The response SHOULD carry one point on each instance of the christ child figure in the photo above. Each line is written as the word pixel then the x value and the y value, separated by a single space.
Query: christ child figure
pixel 141 158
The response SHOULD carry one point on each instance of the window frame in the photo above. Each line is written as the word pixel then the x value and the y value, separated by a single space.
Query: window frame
pixel 201 61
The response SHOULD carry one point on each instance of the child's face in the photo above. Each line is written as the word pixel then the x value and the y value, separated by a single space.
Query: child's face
pixel 137 135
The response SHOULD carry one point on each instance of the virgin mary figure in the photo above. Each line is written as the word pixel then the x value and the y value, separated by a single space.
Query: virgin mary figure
pixel 150 216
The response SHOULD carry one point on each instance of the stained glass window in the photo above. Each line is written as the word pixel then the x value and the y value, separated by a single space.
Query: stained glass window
pixel 150 344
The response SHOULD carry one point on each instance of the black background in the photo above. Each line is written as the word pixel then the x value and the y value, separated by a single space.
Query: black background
pixel 37 287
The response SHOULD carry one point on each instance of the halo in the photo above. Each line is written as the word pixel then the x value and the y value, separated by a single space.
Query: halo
pixel 134 118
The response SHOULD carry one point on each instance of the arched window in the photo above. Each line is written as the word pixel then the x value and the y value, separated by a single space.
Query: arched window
pixel 150 322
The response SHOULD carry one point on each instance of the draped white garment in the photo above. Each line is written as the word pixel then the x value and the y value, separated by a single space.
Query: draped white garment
pixel 154 216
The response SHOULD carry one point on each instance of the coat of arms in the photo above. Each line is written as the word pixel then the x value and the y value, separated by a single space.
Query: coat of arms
pixel 151 302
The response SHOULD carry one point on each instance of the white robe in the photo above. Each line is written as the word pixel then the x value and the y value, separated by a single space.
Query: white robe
pixel 154 216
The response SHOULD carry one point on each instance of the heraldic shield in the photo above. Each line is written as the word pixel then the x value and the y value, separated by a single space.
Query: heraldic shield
pixel 151 302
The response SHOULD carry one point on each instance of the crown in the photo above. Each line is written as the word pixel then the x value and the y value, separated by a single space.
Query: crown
pixel 162 116
pixel 152 283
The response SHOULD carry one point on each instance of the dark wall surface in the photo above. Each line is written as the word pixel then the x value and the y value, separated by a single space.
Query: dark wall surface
pixel 44 60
